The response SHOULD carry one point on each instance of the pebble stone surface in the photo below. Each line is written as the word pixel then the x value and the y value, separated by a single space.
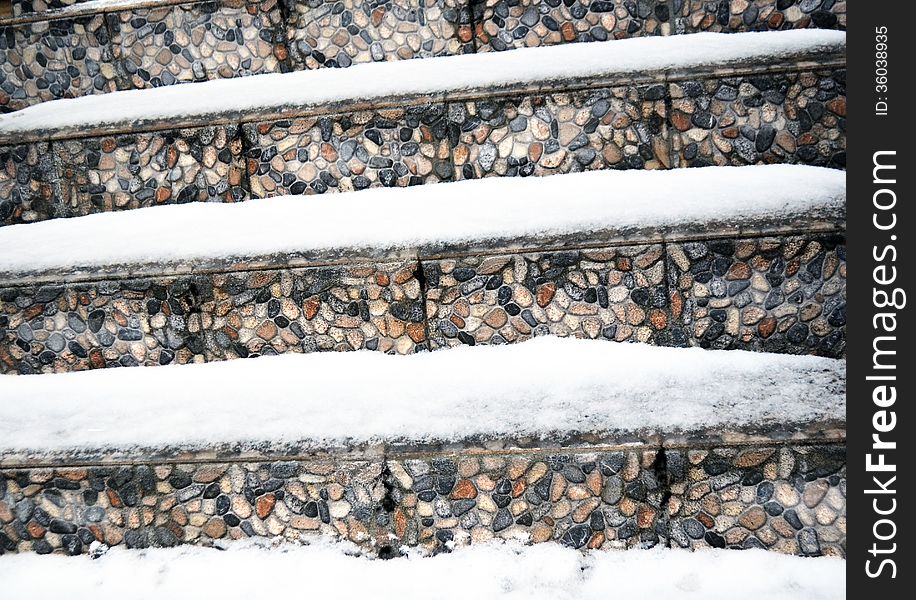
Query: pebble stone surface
pixel 28 183
pixel 352 151
pixel 48 60
pixel 615 294
pixel 148 169
pixel 769 294
pixel 204 318
pixel 346 32
pixel 508 24
pixel 790 499
pixel 757 15
pixel 777 118
pixel 153 47
pixel 619 127
pixel 783 295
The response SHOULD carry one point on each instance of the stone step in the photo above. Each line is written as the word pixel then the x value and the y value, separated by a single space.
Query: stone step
pixel 760 269
pixel 96 47
pixel 752 98
pixel 614 447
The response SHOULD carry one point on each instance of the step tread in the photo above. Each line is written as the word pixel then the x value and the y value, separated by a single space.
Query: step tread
pixel 325 400
pixel 496 571
pixel 495 213
pixel 449 76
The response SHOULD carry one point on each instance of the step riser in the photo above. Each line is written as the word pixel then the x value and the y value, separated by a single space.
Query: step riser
pixel 785 295
pixel 122 53
pixel 787 498
pixel 789 117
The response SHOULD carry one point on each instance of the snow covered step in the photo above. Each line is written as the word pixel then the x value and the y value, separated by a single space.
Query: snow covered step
pixel 650 103
pixel 99 46
pixel 500 571
pixel 640 447
pixel 693 262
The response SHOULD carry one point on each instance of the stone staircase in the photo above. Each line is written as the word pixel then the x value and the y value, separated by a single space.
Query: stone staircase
pixel 624 244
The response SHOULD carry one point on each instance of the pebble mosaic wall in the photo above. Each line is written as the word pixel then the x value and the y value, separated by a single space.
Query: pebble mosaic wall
pixel 148 169
pixel 790 499
pixel 47 60
pixel 153 47
pixel 144 47
pixel 784 295
pixel 204 318
pixel 619 127
pixel 507 24
pixel 775 118
pixel 615 293
pixel 582 500
pixel 391 148
pixel 769 294
pixel 28 184
pixel 757 15
pixel 345 32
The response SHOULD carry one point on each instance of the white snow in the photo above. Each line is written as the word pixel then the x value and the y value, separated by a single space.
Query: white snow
pixel 387 218
pixel 443 75
pixel 508 571
pixel 539 387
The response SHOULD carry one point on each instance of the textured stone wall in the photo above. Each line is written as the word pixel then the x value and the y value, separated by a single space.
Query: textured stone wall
pixel 619 127
pixel 775 295
pixel 773 118
pixel 345 32
pixel 785 295
pixel 615 293
pixel 507 24
pixel 47 60
pixel 757 15
pixel 790 499
pixel 28 184
pixel 153 47
pixel 204 318
pixel 142 47
pixel 776 118
pixel 353 151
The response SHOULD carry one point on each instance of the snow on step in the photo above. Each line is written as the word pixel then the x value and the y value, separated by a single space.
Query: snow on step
pixel 442 75
pixel 492 209
pixel 541 387
pixel 499 571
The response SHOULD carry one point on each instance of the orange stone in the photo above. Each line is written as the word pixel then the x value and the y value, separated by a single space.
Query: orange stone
pixel 400 523
pixel 546 293
pixel 267 330
pixel 265 505
pixel 838 106
pixel 766 327
pixel 417 332
pixel 739 270
pixel 464 490
pixel 310 308
pixel 114 498
pixel 680 120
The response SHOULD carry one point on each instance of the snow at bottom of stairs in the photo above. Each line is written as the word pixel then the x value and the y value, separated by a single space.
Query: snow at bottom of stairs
pixel 491 571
